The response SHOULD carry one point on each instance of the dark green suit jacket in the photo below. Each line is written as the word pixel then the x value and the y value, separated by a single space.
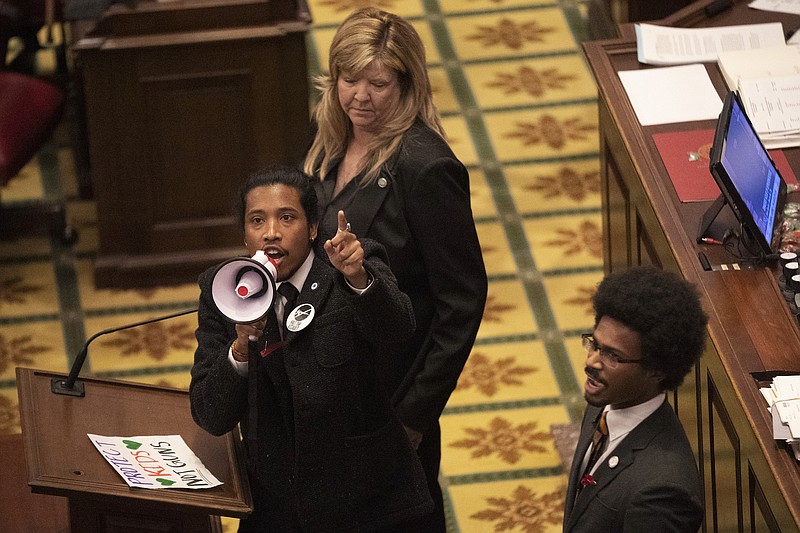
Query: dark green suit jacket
pixel 649 483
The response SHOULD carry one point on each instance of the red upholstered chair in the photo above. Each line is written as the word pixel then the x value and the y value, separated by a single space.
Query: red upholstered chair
pixel 30 109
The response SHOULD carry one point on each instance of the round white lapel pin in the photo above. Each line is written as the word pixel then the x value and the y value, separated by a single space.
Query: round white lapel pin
pixel 300 317
pixel 613 461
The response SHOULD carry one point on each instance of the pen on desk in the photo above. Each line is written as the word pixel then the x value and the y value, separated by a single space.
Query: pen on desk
pixel 709 240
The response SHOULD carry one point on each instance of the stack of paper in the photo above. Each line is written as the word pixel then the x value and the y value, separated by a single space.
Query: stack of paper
pixel 737 65
pixel 773 105
pixel 768 81
pixel 783 397
pixel 755 61
pixel 664 45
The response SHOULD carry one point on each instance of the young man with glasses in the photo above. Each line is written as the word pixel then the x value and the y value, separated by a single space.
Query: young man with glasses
pixel 633 468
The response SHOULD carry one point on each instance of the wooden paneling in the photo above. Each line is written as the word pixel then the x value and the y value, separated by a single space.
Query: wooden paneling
pixel 176 121
pixel 615 198
pixel 751 482
pixel 725 476
pixel 21 509
pixel 761 517
pixel 688 405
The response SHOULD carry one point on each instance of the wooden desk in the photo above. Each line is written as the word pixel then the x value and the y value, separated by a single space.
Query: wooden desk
pixel 752 483
pixel 183 100
pixel 21 509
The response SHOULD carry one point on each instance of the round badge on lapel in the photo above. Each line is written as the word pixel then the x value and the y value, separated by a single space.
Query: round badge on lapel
pixel 613 461
pixel 383 182
pixel 300 317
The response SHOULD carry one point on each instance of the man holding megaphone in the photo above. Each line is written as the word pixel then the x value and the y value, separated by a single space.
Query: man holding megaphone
pixel 302 374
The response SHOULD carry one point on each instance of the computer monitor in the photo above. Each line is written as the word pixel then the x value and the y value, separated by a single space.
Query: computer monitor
pixel 747 177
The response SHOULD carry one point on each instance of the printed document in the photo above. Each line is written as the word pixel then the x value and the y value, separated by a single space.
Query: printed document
pixel 773 105
pixel 663 45
pixel 758 63
pixel 783 398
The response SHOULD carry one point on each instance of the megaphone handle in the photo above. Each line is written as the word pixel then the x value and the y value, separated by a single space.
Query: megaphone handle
pixel 252 397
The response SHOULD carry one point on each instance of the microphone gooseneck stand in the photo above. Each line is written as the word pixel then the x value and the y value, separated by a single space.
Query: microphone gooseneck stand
pixel 70 386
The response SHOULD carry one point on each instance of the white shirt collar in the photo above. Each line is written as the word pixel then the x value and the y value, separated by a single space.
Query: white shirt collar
pixel 298 279
pixel 623 421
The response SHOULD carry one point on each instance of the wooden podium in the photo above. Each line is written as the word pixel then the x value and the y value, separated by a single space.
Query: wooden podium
pixel 184 99
pixel 61 460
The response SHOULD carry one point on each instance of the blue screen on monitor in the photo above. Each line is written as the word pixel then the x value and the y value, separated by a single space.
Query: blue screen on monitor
pixel 752 172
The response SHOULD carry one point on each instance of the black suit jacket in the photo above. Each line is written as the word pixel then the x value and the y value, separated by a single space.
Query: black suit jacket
pixel 330 449
pixel 649 483
pixel 419 209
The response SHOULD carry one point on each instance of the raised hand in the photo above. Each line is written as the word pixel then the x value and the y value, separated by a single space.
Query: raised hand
pixel 346 254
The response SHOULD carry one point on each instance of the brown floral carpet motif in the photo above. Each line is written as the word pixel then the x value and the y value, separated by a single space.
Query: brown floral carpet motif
pixel 587 236
pixel 510 33
pixel 9 415
pixel 488 376
pixel 568 182
pixel 551 131
pixel 581 301
pixel 19 351
pixel 531 81
pixel 504 439
pixel 519 108
pixel 155 340
pixel 16 290
pixel 494 310
pixel 523 510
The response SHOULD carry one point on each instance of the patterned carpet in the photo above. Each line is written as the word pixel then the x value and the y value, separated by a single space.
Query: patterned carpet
pixel 519 108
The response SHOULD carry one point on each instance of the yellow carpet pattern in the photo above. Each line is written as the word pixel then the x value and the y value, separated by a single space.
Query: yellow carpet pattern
pixel 519 108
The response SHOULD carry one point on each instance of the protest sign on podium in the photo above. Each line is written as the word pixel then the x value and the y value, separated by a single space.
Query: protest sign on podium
pixel 63 461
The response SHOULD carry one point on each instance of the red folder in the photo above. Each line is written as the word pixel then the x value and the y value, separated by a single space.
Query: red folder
pixel 685 154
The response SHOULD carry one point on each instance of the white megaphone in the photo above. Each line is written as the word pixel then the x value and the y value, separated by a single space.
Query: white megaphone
pixel 243 289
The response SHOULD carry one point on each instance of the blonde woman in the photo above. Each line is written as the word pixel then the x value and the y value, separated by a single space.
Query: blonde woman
pixel 380 155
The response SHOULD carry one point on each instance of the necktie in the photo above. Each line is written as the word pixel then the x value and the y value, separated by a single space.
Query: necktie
pixel 288 291
pixel 598 443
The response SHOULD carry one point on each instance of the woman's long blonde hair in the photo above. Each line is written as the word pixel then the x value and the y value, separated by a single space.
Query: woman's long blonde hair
pixel 365 36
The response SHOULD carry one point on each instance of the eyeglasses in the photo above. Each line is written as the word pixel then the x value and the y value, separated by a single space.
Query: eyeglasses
pixel 608 357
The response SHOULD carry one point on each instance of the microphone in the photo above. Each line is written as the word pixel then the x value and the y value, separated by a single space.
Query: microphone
pixel 70 386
